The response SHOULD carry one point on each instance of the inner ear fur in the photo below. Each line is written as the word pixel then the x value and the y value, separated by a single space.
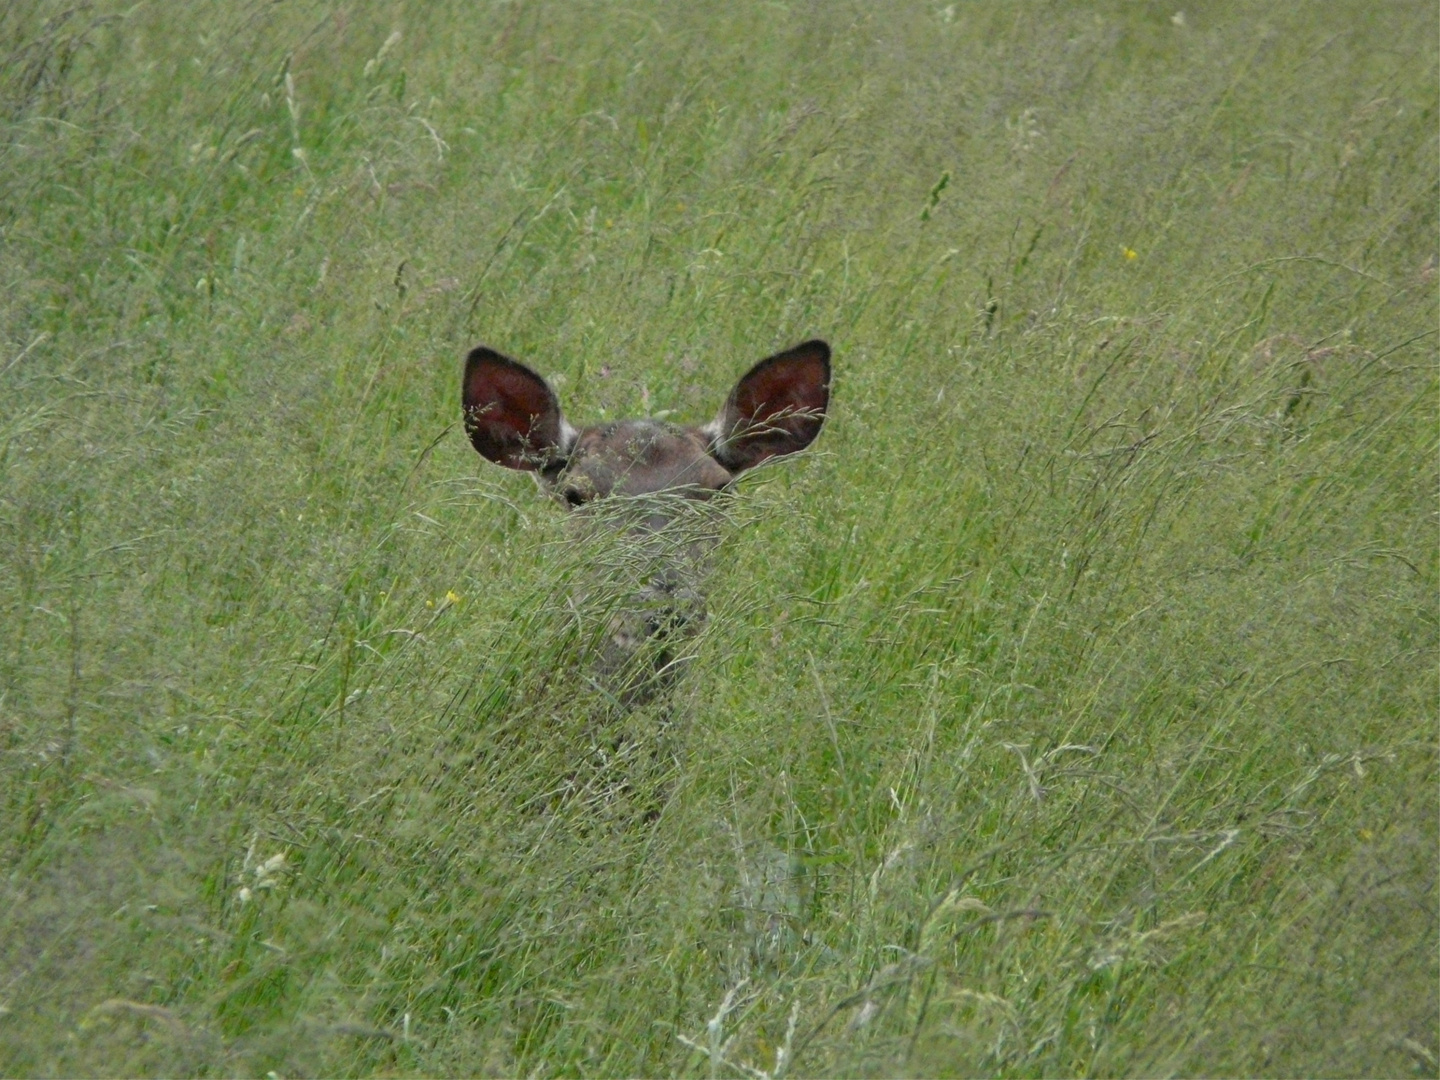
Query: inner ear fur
pixel 777 407
pixel 511 414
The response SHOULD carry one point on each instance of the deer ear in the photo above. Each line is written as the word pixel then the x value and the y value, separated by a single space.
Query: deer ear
pixel 777 408
pixel 512 415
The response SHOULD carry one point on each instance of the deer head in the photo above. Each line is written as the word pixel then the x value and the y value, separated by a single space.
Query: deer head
pixel 655 467
pixel 515 420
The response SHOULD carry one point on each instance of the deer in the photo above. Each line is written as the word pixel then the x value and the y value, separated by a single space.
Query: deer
pixel 653 472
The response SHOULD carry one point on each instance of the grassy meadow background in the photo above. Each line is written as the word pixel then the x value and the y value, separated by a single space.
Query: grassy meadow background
pixel 1071 707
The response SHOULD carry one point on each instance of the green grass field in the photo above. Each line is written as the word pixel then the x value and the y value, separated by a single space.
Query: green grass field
pixel 1070 708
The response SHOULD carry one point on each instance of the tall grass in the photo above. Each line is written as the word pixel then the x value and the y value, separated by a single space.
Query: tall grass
pixel 1069 708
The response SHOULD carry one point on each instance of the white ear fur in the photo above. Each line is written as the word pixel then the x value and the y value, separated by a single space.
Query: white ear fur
pixel 713 430
pixel 568 435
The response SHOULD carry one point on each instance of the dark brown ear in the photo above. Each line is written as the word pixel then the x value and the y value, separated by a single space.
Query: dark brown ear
pixel 511 413
pixel 777 408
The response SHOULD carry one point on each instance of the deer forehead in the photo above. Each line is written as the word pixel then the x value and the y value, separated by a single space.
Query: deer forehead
pixel 640 457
